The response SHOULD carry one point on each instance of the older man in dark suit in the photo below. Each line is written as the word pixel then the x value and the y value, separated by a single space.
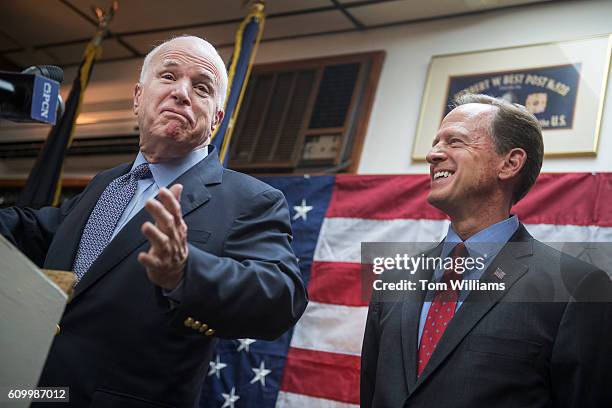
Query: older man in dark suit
pixel 171 251
pixel 541 338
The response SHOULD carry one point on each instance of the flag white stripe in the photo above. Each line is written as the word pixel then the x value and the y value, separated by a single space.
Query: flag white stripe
pixel 291 400
pixel 340 238
pixel 331 328
pixel 569 233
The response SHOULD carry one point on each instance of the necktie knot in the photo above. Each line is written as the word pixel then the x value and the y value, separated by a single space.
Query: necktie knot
pixel 141 172
pixel 459 251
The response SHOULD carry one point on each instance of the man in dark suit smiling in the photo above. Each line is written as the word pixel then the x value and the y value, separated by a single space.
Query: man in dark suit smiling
pixel 542 339
pixel 170 251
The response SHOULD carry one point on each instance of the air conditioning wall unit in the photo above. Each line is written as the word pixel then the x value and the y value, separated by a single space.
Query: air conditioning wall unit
pixel 97 119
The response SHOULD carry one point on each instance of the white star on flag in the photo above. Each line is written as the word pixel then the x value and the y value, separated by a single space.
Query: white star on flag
pixel 244 344
pixel 260 374
pixel 230 398
pixel 302 210
pixel 216 367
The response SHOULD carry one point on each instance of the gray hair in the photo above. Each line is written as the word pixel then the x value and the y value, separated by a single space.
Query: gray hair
pixel 513 126
pixel 215 58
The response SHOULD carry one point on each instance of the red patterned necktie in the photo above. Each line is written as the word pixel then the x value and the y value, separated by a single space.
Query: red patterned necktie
pixel 440 313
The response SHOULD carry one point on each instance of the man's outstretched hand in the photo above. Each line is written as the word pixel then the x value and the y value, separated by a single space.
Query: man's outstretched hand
pixel 165 261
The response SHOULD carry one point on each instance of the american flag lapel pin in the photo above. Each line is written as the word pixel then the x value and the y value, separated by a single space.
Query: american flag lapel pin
pixel 499 273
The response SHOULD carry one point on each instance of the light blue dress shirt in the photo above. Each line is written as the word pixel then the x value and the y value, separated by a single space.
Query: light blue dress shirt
pixel 486 244
pixel 163 174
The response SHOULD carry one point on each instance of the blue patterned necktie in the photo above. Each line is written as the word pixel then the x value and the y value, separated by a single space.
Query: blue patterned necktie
pixel 104 217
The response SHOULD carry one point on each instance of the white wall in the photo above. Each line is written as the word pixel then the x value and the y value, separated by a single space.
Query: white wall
pixel 409 48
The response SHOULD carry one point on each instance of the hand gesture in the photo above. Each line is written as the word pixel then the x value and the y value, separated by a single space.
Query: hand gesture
pixel 166 259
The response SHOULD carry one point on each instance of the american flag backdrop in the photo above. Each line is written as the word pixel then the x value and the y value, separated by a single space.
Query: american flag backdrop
pixel 317 363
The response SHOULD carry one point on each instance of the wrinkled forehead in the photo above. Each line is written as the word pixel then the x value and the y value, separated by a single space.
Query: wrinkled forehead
pixel 187 53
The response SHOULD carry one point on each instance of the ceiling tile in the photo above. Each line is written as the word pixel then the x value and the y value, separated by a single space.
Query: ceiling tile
pixel 216 35
pixel 30 23
pixel 306 24
pixel 406 10
pixel 283 6
pixel 137 15
pixel 30 57
pixel 73 54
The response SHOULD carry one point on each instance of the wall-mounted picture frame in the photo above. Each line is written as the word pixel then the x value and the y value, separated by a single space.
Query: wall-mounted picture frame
pixel 562 83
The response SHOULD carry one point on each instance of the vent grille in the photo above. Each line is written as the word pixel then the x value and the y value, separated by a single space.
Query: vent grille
pixel 287 139
pixel 269 132
pixel 255 111
pixel 335 95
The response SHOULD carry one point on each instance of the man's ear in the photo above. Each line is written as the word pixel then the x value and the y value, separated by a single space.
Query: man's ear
pixel 137 97
pixel 512 164
pixel 217 120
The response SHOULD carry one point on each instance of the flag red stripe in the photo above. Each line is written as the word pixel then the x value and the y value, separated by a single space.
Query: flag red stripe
pixel 324 375
pixel 557 198
pixel 379 197
pixel 572 198
pixel 337 283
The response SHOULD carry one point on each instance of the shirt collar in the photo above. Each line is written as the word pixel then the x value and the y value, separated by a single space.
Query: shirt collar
pixel 166 172
pixel 488 241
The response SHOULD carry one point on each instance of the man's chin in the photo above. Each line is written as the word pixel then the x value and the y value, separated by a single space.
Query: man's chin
pixel 437 200
pixel 175 134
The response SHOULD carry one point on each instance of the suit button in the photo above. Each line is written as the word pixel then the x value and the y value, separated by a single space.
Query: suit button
pixel 57 329
pixel 209 332
pixel 203 328
pixel 196 324
pixel 188 322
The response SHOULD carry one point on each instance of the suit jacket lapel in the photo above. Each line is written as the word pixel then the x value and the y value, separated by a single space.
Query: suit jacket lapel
pixel 208 171
pixel 478 303
pixel 62 252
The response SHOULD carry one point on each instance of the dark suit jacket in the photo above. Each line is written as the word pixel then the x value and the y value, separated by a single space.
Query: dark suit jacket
pixel 121 343
pixel 530 345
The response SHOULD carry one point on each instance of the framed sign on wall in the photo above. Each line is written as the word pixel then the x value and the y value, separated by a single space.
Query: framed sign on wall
pixel 563 84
